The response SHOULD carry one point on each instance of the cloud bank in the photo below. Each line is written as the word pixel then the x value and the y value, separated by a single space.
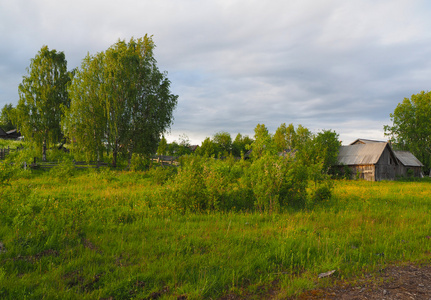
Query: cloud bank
pixel 340 65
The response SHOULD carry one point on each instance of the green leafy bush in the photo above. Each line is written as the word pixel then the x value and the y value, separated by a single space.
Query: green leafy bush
pixel 276 182
pixel 160 175
pixel 139 162
pixel 186 191
pixel 204 184
pixel 6 173
pixel 322 192
pixel 64 170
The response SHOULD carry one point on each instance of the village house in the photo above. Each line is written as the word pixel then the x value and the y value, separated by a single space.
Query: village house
pixel 9 135
pixel 375 160
pixel 3 134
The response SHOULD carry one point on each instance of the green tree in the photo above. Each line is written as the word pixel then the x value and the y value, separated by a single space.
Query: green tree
pixel 132 95
pixel 172 148
pixel 411 128
pixel 302 136
pixel 85 121
pixel 280 139
pixel 42 94
pixel 224 143
pixel 162 148
pixel 183 145
pixel 6 117
pixel 208 148
pixel 241 144
pixel 327 145
pixel 263 142
pixel 285 137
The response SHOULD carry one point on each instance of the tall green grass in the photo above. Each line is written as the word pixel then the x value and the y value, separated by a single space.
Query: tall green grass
pixel 107 234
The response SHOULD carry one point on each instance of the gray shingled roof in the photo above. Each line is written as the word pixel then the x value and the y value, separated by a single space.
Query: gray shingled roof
pixel 365 141
pixel 408 159
pixel 361 154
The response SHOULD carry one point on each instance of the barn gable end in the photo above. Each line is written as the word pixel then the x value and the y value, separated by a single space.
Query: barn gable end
pixel 375 160
pixel 370 161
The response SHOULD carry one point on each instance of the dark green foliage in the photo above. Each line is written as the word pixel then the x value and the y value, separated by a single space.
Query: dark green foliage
pixel 6 117
pixel 221 145
pixel 139 162
pixel 160 175
pixel 241 145
pixel 411 128
pixel 208 148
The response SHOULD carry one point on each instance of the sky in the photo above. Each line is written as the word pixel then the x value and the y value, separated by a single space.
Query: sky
pixel 338 65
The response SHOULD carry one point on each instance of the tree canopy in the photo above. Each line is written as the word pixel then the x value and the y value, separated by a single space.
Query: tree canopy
pixel 42 94
pixel 411 128
pixel 224 142
pixel 119 97
pixel 6 116
pixel 241 144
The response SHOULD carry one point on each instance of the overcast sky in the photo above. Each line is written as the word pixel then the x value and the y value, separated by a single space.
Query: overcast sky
pixel 331 64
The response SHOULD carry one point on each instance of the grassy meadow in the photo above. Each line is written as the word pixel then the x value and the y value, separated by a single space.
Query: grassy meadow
pixel 103 234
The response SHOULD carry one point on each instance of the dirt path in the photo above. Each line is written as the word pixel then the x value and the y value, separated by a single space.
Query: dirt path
pixel 397 282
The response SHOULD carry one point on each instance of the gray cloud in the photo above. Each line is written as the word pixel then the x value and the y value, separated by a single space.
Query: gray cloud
pixel 332 64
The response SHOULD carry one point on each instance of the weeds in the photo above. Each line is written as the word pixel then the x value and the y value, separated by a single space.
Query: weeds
pixel 113 234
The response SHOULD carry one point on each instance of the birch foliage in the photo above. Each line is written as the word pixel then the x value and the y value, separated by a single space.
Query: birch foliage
pixel 42 94
pixel 131 100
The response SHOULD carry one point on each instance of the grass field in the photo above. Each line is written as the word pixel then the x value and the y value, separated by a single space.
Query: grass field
pixel 101 235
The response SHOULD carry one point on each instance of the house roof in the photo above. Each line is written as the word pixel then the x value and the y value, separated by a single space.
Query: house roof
pixel 408 159
pixel 2 132
pixel 362 154
pixel 363 151
pixel 12 131
pixel 365 141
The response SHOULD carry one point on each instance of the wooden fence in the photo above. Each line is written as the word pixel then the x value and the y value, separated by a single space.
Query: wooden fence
pixel 6 151
pixel 161 159
pixel 165 160
pixel 78 164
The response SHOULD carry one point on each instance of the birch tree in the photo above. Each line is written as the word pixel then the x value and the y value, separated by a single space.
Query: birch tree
pixel 85 119
pixel 42 94
pixel 133 96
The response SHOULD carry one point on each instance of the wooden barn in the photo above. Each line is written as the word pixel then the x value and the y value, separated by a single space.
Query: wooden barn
pixel 375 160
pixel 369 161
pixel 409 166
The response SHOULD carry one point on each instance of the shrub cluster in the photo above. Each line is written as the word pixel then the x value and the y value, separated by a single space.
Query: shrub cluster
pixel 267 184
pixel 208 184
